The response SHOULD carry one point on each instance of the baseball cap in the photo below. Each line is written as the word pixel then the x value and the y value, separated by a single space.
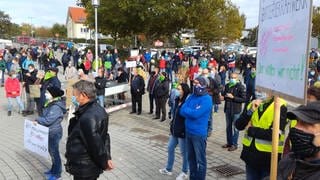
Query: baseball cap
pixel 309 113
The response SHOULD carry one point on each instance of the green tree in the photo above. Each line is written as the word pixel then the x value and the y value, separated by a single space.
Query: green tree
pixel 59 29
pixel 316 22
pixel 5 24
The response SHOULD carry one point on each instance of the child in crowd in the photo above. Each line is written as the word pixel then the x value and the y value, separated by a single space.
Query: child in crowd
pixel 12 88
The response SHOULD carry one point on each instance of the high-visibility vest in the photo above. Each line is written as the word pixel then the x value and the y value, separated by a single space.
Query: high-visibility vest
pixel 264 122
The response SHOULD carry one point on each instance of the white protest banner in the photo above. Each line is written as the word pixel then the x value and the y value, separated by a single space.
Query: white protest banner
pixel 284 31
pixel 130 64
pixel 36 138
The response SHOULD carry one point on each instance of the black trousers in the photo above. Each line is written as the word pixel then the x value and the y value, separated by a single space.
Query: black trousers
pixel 161 106
pixel 151 102
pixel 136 99
pixel 85 178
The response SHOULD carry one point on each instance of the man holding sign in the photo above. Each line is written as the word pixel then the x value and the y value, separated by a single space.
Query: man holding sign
pixel 257 120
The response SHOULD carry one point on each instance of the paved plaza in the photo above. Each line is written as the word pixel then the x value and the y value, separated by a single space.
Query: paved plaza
pixel 138 146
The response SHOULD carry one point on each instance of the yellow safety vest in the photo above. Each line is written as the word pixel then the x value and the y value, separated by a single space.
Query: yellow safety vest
pixel 263 122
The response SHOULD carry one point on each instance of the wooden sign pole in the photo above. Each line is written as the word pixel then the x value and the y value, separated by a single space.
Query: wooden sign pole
pixel 275 139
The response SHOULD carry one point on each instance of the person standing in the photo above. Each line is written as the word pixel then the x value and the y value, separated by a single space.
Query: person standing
pixel 29 79
pixel 234 95
pixel 137 90
pixel 88 143
pixel 177 135
pixel 153 80
pixel 13 90
pixel 2 69
pixel 161 93
pixel 52 116
pixel 71 72
pixel 100 83
pixel 257 120
pixel 196 110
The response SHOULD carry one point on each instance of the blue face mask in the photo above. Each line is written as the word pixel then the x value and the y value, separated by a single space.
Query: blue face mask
pixel 177 93
pixel 312 73
pixel 199 91
pixel 74 101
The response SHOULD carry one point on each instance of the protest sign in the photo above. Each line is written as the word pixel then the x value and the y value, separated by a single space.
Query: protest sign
pixel 283 40
pixel 36 138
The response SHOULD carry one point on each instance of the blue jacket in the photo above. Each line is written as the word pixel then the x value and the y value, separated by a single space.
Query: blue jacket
pixel 52 116
pixel 197 110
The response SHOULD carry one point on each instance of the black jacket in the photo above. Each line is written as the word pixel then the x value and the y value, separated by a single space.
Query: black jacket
pixel 177 127
pixel 234 105
pixel 299 169
pixel 88 143
pixel 100 84
pixel 29 80
pixel 161 90
pixel 137 85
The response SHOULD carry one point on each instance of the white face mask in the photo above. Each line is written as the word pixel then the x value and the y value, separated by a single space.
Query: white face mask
pixel 48 96
pixel 14 76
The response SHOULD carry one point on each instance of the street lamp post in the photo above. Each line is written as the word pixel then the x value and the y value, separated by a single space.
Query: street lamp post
pixel 96 4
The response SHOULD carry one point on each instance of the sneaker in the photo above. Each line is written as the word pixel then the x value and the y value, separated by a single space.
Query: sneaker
pixel 232 148
pixel 165 172
pixel 226 146
pixel 24 113
pixel 9 113
pixel 52 177
pixel 182 176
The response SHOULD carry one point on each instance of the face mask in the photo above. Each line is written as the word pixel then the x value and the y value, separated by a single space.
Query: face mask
pixel 48 75
pixel 302 143
pixel 13 76
pixel 177 94
pixel 233 81
pixel 161 78
pixel 48 96
pixel 312 73
pixel 74 101
pixel 261 95
pixel 31 70
pixel 199 91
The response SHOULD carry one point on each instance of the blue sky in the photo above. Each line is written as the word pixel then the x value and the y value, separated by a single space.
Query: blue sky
pixel 48 12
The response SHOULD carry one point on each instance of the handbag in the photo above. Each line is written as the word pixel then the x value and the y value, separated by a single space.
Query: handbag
pixel 34 91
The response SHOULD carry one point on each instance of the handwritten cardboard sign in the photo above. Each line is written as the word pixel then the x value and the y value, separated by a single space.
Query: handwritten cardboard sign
pixel 284 31
pixel 36 138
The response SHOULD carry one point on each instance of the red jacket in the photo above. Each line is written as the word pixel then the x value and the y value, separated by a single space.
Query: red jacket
pixel 12 87
pixel 192 70
pixel 162 63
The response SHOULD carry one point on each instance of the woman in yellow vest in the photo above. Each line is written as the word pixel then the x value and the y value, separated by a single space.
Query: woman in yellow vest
pixel 257 121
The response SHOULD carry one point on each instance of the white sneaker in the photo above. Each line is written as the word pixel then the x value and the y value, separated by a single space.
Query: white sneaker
pixel 182 176
pixel 165 172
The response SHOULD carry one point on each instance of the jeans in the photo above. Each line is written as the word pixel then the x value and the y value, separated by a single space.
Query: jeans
pixel 253 173
pixel 232 132
pixel 2 76
pixel 172 144
pixel 19 102
pixel 101 100
pixel 54 139
pixel 196 148
pixel 215 107
pixel 210 123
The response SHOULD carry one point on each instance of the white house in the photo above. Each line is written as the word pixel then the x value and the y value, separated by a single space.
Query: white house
pixel 76 27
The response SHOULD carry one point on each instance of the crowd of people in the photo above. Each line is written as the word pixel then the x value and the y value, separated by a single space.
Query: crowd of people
pixel 193 86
